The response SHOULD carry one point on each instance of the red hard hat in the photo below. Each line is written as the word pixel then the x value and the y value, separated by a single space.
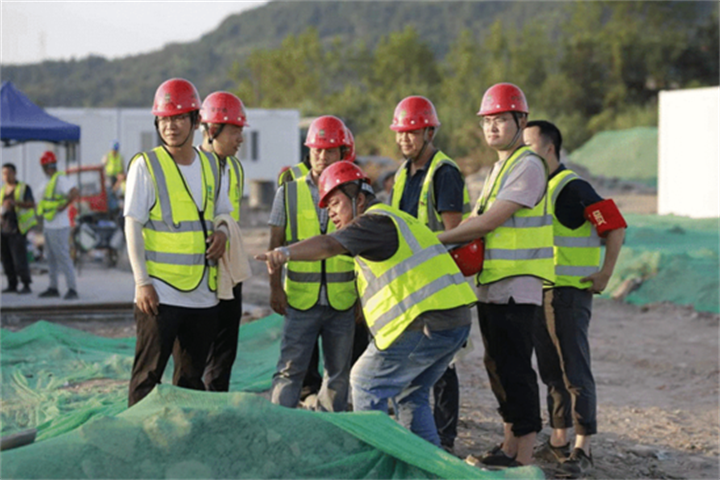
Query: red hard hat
pixel 223 107
pixel 350 143
pixel 327 131
pixel 174 97
pixel 48 158
pixel 414 113
pixel 503 97
pixel 339 173
pixel 469 257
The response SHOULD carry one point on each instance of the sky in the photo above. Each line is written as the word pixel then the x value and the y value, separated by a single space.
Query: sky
pixel 33 31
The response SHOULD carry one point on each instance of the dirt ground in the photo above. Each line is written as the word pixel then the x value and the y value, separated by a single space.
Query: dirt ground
pixel 656 369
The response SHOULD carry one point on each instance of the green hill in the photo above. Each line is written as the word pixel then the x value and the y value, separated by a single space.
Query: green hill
pixel 131 81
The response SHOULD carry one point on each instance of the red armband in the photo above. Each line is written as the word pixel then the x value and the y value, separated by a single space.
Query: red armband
pixel 605 216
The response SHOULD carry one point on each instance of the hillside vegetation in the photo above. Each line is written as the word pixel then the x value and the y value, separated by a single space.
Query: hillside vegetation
pixel 588 66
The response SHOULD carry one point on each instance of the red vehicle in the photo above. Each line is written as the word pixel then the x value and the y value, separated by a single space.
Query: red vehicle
pixel 93 193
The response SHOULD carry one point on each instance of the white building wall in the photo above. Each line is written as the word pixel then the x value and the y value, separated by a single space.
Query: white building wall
pixel 689 153
pixel 271 141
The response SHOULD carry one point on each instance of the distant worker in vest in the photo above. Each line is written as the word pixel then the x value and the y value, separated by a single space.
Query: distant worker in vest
pixel 318 298
pixel 114 163
pixel 415 299
pixel 513 216
pixel 223 118
pixel 58 193
pixel 430 187
pixel 171 202
pixel 18 216
pixel 288 174
pixel 582 219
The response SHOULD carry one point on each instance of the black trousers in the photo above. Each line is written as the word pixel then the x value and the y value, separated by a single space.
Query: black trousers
pixel 13 249
pixel 507 333
pixel 184 333
pixel 446 411
pixel 224 349
pixel 563 353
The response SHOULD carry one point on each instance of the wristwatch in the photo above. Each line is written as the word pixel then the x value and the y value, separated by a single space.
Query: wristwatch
pixel 285 251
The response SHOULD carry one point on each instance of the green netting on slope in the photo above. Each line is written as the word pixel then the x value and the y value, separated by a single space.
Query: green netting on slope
pixel 178 433
pixel 630 154
pixel 55 378
pixel 675 257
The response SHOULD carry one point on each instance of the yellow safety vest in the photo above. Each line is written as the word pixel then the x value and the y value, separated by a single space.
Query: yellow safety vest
pixel 236 178
pixel 25 216
pixel 427 214
pixel 114 164
pixel 299 170
pixel 420 277
pixel 176 232
pixel 303 279
pixel 523 245
pixel 48 206
pixel 577 252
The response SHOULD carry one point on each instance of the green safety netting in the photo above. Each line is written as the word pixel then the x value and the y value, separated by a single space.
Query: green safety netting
pixel 72 387
pixel 630 154
pixel 674 259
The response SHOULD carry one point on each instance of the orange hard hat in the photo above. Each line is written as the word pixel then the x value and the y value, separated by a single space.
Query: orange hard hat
pixel 414 113
pixel 327 131
pixel 337 174
pixel 48 158
pixel 174 97
pixel 469 257
pixel 503 97
pixel 223 107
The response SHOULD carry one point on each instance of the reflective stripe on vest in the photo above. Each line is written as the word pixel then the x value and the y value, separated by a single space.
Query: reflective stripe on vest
pixel 420 277
pixel 295 172
pixel 25 216
pixel 426 212
pixel 523 245
pixel 236 179
pixel 48 206
pixel 175 235
pixel 304 279
pixel 577 252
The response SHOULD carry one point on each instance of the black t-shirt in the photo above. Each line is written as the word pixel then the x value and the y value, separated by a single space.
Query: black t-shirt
pixel 373 237
pixel 448 189
pixel 572 201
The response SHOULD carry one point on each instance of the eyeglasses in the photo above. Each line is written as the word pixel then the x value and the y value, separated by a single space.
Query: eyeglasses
pixel 176 119
pixel 494 121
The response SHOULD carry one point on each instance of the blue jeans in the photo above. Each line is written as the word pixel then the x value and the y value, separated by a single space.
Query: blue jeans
pixel 300 332
pixel 405 372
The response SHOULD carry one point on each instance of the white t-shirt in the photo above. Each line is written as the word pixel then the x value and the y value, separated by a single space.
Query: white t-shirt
pixel 525 185
pixel 139 200
pixel 63 186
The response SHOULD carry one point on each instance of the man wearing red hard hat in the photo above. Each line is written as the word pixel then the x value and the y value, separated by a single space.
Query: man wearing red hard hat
pixel 58 193
pixel 414 298
pixel 512 215
pixel 223 119
pixel 318 299
pixel 172 198
pixel 430 187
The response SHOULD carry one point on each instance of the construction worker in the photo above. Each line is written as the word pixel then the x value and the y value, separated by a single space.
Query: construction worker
pixel 415 300
pixel 172 200
pixel 318 298
pixel 18 216
pixel 114 163
pixel 58 193
pixel 581 219
pixel 429 186
pixel 223 119
pixel 513 216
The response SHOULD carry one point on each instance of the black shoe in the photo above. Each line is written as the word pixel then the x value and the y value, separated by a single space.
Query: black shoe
pixel 25 290
pixel 71 295
pixel 497 458
pixel 10 290
pixel 551 454
pixel 50 293
pixel 577 465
